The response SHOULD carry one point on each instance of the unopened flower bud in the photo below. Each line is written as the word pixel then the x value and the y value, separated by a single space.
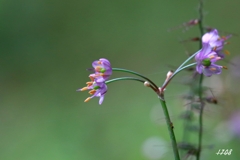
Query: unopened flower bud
pixel 169 74
pixel 147 84
pixel 211 100
pixel 224 67
pixel 195 39
pixel 226 52
pixel 193 22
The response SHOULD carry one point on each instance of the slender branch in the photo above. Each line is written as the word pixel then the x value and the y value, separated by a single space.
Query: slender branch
pixel 200 85
pixel 200 133
pixel 138 74
pixel 200 24
pixel 200 118
pixel 124 78
pixel 129 78
pixel 175 73
pixel 189 58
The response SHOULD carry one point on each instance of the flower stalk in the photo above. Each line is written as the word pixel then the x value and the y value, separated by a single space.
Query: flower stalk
pixel 176 72
pixel 170 129
pixel 199 149
pixel 140 75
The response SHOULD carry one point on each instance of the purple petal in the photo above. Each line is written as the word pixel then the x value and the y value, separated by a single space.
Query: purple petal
pixel 105 61
pixel 199 68
pixel 100 79
pixel 221 54
pixel 95 63
pixel 213 69
pixel 101 99
pixel 213 57
pixel 197 57
pixel 210 37
pixel 207 49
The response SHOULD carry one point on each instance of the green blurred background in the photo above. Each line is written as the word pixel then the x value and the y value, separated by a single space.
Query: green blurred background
pixel 46 46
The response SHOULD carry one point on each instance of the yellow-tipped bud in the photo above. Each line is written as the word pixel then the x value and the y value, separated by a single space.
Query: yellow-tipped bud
pixel 226 52
pixel 92 92
pixel 89 83
pixel 98 68
pixel 84 89
pixel 224 38
pixel 227 43
pixel 92 78
pixel 88 99
pixel 213 69
pixel 147 84
pixel 212 56
pixel 224 67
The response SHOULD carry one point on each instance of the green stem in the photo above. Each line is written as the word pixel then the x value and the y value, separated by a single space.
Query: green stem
pixel 170 129
pixel 189 58
pixel 200 85
pixel 200 118
pixel 174 74
pixel 129 78
pixel 138 74
pixel 200 24
pixel 124 78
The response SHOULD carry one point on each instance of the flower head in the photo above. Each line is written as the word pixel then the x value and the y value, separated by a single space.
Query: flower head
pixel 215 41
pixel 206 59
pixel 97 89
pixel 103 70
pixel 97 86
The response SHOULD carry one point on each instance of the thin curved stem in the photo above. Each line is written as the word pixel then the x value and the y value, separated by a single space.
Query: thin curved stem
pixel 200 85
pixel 189 58
pixel 138 74
pixel 174 74
pixel 200 118
pixel 129 78
pixel 124 78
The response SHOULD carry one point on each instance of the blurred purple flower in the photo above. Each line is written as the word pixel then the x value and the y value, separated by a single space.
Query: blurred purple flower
pixel 234 124
pixel 97 89
pixel 235 67
pixel 216 42
pixel 103 70
pixel 206 59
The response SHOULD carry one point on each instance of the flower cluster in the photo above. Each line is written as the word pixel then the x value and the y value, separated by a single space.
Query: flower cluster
pixel 211 52
pixel 102 71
